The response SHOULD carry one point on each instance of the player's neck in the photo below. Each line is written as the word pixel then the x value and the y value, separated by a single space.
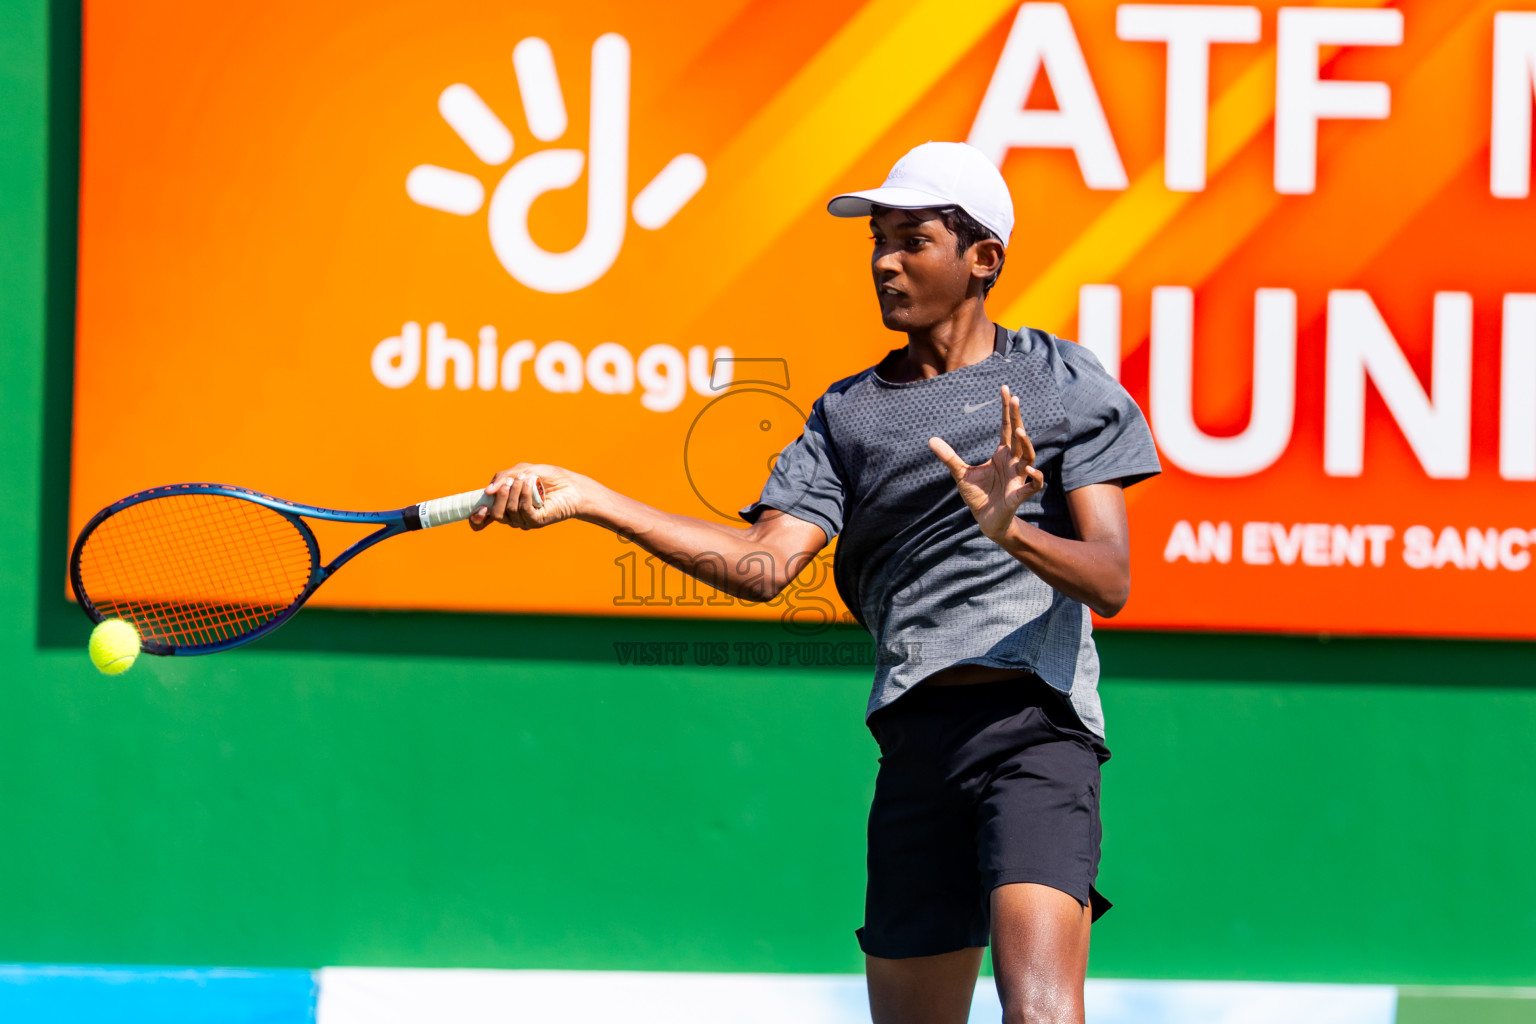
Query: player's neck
pixel 959 340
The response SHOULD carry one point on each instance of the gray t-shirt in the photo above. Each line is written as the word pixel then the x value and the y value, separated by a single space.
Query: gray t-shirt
pixel 912 564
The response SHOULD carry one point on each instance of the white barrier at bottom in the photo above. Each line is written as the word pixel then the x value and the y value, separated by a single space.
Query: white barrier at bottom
pixel 368 995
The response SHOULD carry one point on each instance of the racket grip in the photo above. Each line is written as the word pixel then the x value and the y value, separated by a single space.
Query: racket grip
pixel 458 507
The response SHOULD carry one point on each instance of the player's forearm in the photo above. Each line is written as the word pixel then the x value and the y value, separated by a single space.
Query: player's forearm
pixel 1093 572
pixel 725 557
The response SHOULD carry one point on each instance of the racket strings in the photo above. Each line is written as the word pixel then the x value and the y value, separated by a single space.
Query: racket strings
pixel 195 569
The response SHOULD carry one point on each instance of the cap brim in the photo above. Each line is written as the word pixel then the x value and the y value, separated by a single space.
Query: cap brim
pixel 857 204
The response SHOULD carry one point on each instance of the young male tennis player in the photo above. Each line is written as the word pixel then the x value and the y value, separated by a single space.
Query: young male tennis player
pixel 972 553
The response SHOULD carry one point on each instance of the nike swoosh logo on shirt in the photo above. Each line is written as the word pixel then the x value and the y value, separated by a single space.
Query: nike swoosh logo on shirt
pixel 969 408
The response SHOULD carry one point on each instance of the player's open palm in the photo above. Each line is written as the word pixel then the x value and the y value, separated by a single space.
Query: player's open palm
pixel 995 489
pixel 531 495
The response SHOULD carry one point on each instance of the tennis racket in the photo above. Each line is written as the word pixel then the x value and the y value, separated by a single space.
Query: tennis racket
pixel 201 568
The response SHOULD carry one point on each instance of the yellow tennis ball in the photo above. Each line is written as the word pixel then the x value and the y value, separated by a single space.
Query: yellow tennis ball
pixel 114 646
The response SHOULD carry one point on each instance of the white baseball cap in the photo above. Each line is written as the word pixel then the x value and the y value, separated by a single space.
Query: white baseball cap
pixel 939 174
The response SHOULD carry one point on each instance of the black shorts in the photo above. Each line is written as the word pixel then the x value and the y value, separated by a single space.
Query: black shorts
pixel 979 785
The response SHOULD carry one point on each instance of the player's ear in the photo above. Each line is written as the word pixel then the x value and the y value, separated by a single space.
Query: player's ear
pixel 986 258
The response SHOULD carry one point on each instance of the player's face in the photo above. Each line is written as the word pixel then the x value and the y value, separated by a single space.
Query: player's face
pixel 920 277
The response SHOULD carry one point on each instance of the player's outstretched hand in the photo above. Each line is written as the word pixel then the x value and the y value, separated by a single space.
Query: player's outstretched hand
pixel 514 490
pixel 995 489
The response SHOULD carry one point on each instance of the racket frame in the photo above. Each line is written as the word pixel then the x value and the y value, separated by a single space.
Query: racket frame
pixel 391 523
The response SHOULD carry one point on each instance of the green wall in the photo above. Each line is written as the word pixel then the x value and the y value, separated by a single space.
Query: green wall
pixel 402 790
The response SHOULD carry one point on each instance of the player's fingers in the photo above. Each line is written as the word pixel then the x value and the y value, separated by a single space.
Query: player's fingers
pixel 1024 447
pixel 529 470
pixel 497 483
pixel 517 497
pixel 1007 431
pixel 1010 417
pixel 526 499
pixel 946 454
pixel 1036 479
pixel 1026 450
pixel 1015 424
pixel 481 517
pixel 499 505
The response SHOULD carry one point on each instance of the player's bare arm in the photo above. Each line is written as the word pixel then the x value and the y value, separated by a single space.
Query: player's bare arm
pixel 752 564
pixel 1094 569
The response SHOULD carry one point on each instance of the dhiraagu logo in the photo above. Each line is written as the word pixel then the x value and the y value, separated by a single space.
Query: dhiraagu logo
pixel 662 373
pixel 606 161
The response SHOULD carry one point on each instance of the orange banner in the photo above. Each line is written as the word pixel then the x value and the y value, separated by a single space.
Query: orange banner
pixel 361 255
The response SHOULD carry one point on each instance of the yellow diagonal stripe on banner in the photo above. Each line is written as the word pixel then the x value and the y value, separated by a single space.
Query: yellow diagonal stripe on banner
pixel 1449 77
pixel 1133 220
pixel 786 159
